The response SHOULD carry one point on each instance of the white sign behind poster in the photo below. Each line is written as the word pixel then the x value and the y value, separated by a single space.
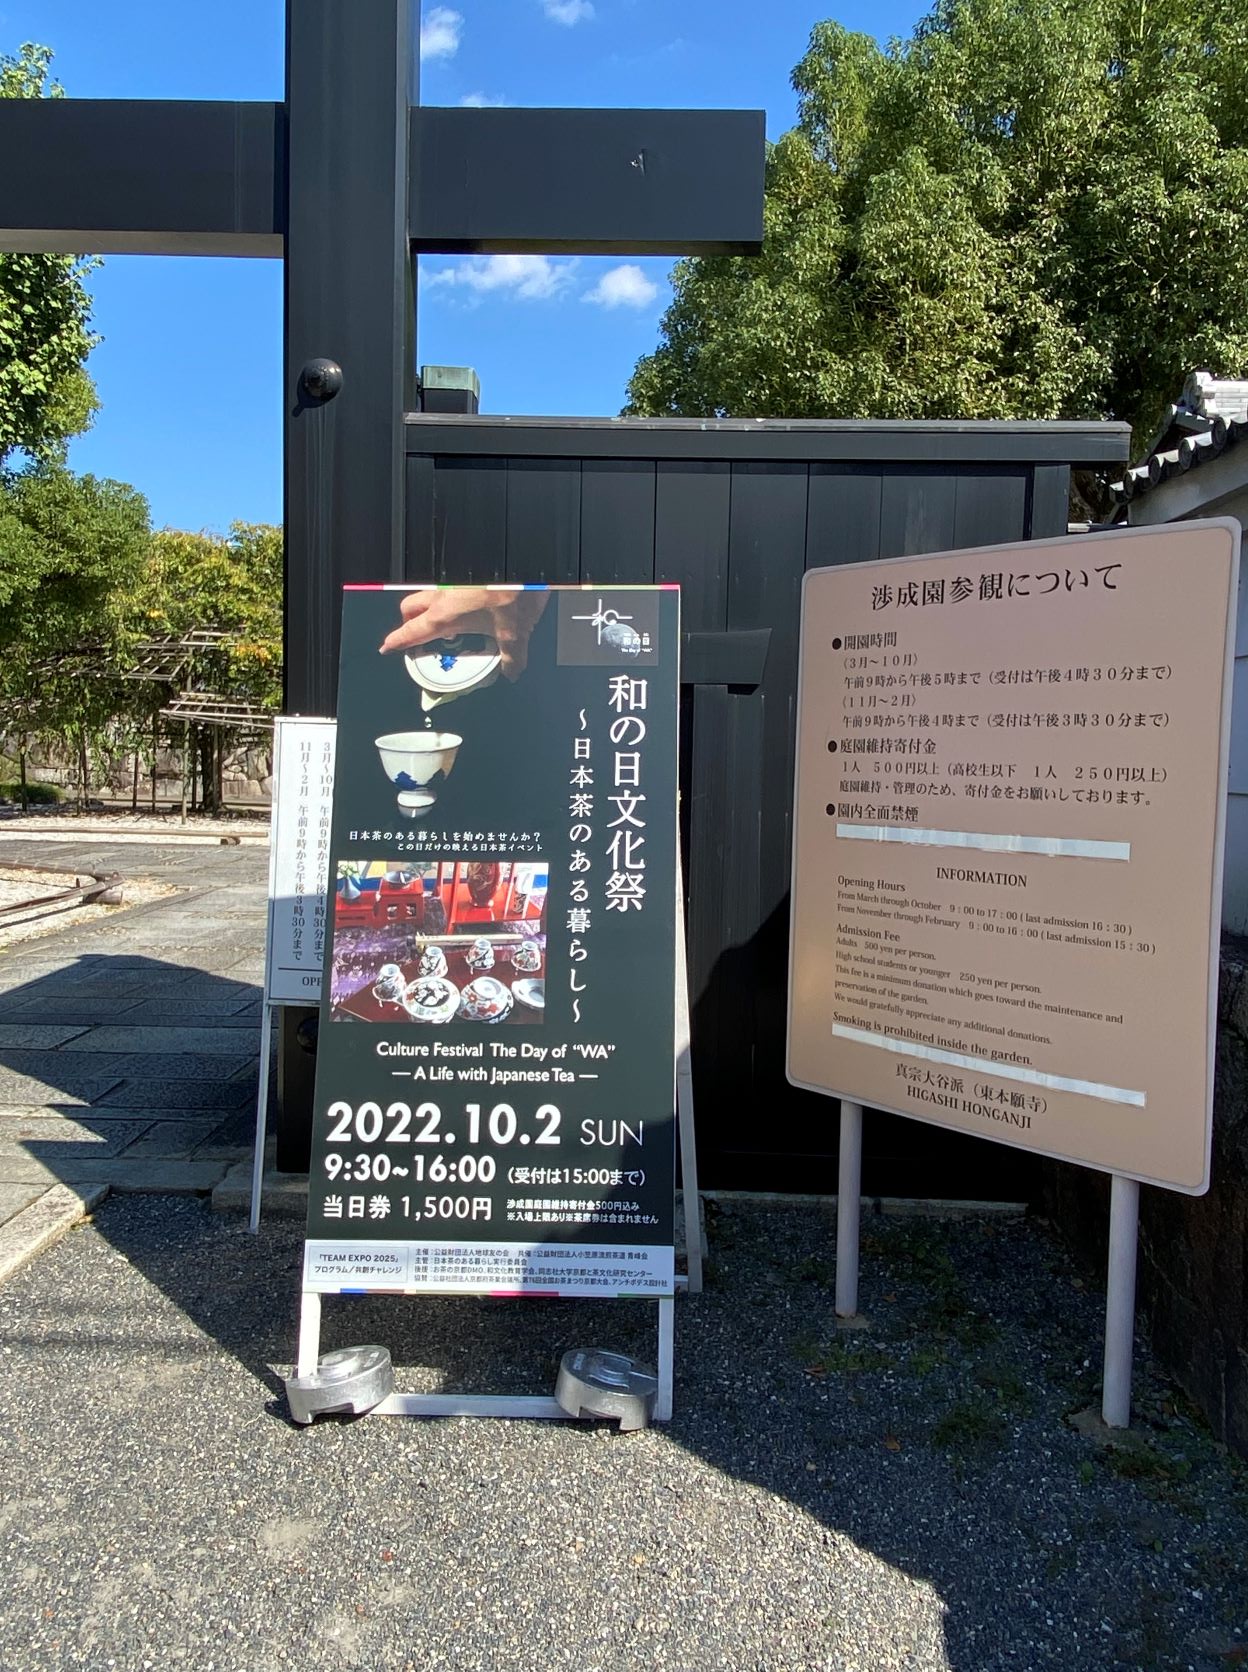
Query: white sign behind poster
pixel 303 791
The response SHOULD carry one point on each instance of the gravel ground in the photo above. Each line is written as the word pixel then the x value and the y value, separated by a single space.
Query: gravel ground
pixel 911 1496
pixel 21 883
pixel 251 823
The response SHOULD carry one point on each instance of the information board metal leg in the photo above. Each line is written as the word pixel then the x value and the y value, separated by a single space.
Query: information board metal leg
pixel 667 1360
pixel 848 1204
pixel 309 1333
pixel 1124 1223
pixel 262 1117
pixel 684 1101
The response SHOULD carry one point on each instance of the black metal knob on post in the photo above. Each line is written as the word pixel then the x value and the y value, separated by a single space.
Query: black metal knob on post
pixel 320 380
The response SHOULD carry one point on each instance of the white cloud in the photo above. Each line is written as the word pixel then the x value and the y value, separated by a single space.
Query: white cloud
pixel 568 12
pixel 440 30
pixel 482 101
pixel 623 287
pixel 529 278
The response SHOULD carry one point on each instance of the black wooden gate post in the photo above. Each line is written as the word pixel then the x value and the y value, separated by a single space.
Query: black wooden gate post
pixel 346 302
pixel 349 325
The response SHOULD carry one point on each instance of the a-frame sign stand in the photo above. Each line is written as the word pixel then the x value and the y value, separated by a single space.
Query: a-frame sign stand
pixel 529 1406
pixel 445 1404
pixel 348 179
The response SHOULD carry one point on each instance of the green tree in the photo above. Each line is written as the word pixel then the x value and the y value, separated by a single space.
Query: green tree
pixel 234 585
pixel 45 316
pixel 72 548
pixel 197 582
pixel 1029 209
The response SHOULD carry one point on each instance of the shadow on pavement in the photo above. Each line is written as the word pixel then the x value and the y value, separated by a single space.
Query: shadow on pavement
pixel 113 1068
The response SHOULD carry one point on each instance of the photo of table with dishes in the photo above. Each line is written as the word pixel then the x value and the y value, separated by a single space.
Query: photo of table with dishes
pixel 439 941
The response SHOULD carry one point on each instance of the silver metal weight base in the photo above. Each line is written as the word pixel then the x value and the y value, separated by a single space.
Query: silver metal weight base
pixel 345 1383
pixel 594 1383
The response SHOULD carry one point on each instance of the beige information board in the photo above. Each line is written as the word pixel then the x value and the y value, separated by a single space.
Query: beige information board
pixel 1008 841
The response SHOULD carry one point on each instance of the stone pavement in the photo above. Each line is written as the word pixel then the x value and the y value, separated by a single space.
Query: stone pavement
pixel 129 1049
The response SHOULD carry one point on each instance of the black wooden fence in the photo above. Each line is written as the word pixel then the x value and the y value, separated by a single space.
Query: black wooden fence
pixel 736 512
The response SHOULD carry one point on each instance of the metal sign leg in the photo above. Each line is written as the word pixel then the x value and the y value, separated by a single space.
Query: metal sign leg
pixel 1124 1221
pixel 309 1334
pixel 684 1102
pixel 667 1360
pixel 262 1117
pixel 848 1204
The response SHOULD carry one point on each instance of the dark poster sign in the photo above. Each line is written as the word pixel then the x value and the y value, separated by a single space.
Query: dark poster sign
pixel 495 1073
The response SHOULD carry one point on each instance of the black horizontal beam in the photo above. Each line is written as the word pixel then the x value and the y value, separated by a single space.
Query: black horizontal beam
pixel 165 177
pixel 816 440
pixel 141 177
pixel 611 182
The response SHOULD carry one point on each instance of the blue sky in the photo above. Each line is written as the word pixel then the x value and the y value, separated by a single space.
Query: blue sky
pixel 546 336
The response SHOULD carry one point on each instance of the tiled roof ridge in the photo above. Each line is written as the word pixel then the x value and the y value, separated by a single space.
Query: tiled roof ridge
pixel 1214 414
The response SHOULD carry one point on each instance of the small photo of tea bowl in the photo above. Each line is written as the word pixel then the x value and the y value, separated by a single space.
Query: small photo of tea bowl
pixel 480 956
pixel 431 960
pixel 484 1000
pixel 416 762
pixel 532 993
pixel 431 998
pixel 390 984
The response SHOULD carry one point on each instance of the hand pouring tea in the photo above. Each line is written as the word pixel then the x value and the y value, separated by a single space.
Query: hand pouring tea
pixel 417 762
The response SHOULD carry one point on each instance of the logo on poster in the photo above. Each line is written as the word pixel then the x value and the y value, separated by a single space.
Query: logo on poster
pixel 614 630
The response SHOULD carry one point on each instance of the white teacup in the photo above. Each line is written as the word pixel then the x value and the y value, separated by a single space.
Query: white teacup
pixel 431 961
pixel 415 763
pixel 480 955
pixel 388 988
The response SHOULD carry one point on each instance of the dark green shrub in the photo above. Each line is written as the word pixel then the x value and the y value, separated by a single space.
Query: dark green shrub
pixel 37 795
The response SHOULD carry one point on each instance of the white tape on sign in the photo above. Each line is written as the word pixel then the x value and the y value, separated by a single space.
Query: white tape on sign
pixel 983 1065
pixel 1062 847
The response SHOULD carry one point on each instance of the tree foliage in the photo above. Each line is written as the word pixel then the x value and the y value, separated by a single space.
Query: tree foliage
pixel 85 584
pixel 45 319
pixel 197 582
pixel 1029 209
pixel 232 585
pixel 71 549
